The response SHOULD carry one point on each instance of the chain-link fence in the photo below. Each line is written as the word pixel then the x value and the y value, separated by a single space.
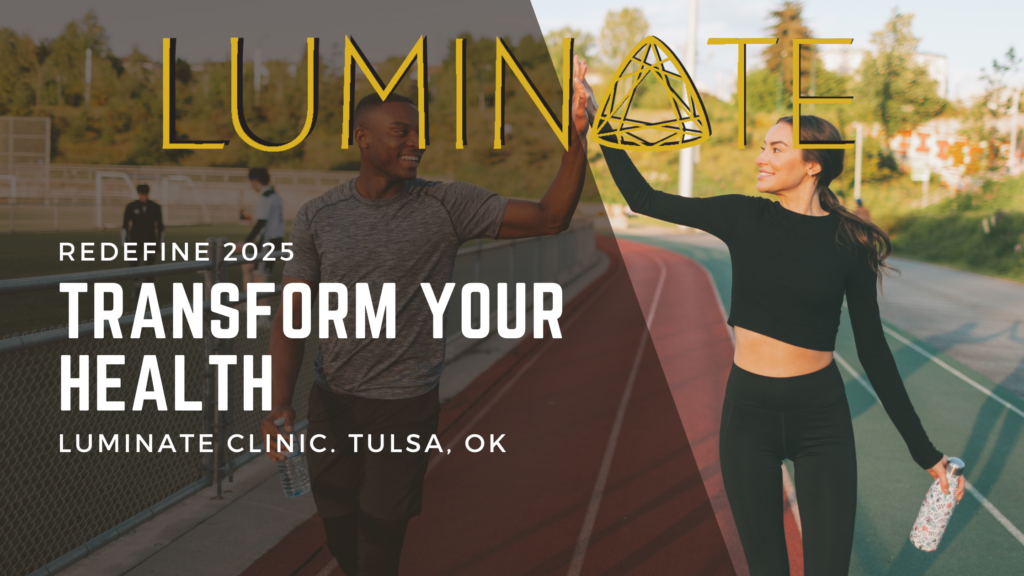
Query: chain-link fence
pixel 116 469
pixel 68 197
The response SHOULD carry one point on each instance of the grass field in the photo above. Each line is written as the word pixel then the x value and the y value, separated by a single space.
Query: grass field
pixel 954 232
pixel 38 255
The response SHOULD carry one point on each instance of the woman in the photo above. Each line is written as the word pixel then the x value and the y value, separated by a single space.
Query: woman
pixel 793 261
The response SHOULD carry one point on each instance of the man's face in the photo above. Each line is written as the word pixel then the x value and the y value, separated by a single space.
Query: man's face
pixel 143 197
pixel 256 185
pixel 388 139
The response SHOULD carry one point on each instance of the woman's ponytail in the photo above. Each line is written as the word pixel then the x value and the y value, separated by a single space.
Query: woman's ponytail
pixel 853 230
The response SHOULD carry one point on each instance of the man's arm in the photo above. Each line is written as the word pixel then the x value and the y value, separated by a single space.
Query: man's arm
pixel 255 232
pixel 525 218
pixel 262 213
pixel 286 359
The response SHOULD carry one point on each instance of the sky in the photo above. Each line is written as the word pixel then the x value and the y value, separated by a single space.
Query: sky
pixel 969 35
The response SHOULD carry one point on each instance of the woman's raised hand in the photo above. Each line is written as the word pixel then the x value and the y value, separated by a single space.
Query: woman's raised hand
pixel 584 107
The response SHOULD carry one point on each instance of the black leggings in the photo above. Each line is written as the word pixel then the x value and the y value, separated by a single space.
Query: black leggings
pixel 806 419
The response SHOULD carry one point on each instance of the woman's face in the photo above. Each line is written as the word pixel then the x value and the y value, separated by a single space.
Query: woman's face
pixel 780 166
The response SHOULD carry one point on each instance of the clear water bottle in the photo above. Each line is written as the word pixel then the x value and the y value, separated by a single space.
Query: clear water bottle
pixel 937 509
pixel 294 476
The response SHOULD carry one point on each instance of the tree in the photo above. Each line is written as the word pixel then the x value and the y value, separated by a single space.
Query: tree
pixel 66 59
pixel 584 46
pixel 981 117
pixel 17 64
pixel 621 31
pixel 895 90
pixel 788 25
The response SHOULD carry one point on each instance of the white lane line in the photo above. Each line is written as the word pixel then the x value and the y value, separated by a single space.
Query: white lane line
pixel 718 299
pixel 583 542
pixel 522 370
pixel 326 571
pixel 967 486
pixel 948 368
pixel 855 374
pixel 787 485
pixel 954 371
pixel 735 548
pixel 995 512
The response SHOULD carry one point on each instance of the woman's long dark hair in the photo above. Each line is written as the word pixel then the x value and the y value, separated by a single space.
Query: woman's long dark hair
pixel 853 230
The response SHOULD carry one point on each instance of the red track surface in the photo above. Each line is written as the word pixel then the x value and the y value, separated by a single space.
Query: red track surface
pixel 662 509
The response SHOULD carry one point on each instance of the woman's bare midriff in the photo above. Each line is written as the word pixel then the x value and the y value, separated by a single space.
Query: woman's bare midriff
pixel 767 356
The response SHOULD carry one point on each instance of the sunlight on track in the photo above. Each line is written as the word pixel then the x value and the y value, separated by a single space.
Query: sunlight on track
pixel 967 485
pixel 787 484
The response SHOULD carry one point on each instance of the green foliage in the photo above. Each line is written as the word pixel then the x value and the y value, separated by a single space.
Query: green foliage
pixel 79 129
pixel 67 55
pixel 147 138
pixel 17 66
pixel 182 71
pixel 878 162
pixel 982 116
pixel 894 90
pixel 584 46
pixel 621 31
pixel 788 25
pixel 764 93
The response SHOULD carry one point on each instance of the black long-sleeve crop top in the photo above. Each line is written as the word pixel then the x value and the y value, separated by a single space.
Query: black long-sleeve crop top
pixel 789 278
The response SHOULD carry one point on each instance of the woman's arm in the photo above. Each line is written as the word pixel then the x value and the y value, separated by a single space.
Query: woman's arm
pixel 716 215
pixel 880 366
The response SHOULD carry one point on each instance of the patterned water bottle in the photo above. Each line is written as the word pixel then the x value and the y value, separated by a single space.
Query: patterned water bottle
pixel 937 509
pixel 294 476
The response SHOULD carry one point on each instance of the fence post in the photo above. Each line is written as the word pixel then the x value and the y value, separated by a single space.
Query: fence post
pixel 479 260
pixel 512 263
pixel 218 414
pixel 225 419
pixel 212 463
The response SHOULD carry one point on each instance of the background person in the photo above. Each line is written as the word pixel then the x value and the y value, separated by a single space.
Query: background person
pixel 143 222
pixel 386 225
pixel 269 226
pixel 793 261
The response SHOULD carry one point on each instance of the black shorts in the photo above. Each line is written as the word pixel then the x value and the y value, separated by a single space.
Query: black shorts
pixel 265 266
pixel 385 484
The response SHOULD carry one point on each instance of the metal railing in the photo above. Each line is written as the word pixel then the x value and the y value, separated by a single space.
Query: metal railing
pixel 63 506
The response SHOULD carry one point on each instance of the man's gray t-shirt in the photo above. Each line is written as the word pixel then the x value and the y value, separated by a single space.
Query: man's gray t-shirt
pixel 406 239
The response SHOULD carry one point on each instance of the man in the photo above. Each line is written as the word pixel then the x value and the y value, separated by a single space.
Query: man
pixel 269 227
pixel 143 222
pixel 387 226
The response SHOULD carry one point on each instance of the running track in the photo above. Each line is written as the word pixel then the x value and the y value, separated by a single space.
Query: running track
pixel 599 474
pixel 525 515
pixel 966 414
